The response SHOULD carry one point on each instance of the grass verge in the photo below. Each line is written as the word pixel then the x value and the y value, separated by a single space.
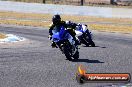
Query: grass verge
pixel 122 25
pixel 2 36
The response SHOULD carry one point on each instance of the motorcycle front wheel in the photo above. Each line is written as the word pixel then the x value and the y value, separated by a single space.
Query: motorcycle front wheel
pixel 66 52
pixel 76 55
pixel 92 44
pixel 88 41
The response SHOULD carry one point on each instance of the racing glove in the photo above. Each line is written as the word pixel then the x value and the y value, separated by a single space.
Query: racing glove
pixel 50 37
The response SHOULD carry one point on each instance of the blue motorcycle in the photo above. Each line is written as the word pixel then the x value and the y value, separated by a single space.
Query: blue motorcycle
pixel 64 41
pixel 84 35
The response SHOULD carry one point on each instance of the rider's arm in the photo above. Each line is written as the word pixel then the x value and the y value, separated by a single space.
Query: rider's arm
pixel 74 25
pixel 64 24
pixel 71 24
pixel 50 29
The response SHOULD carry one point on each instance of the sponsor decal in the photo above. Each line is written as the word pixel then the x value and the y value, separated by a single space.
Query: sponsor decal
pixel 83 77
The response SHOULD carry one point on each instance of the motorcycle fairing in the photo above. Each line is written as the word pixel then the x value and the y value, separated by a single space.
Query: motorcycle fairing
pixel 61 35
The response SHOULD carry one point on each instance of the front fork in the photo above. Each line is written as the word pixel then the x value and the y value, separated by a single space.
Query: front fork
pixel 88 34
pixel 71 48
pixel 65 44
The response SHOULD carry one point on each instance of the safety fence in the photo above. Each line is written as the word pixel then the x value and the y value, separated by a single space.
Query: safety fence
pixel 80 2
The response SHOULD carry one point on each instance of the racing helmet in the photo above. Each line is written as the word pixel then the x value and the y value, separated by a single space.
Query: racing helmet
pixel 56 19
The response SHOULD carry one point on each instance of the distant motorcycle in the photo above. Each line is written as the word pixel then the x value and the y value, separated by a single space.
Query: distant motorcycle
pixel 84 35
pixel 64 41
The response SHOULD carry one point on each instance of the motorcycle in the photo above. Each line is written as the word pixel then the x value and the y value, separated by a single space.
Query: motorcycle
pixel 84 35
pixel 64 41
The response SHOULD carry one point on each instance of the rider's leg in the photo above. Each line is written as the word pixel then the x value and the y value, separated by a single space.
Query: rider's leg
pixel 73 34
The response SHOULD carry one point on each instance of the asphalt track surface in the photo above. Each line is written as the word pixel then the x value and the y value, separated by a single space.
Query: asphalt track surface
pixel 33 63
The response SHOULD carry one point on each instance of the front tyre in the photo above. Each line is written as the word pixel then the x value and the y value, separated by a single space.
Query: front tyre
pixel 88 42
pixel 92 44
pixel 76 55
pixel 66 52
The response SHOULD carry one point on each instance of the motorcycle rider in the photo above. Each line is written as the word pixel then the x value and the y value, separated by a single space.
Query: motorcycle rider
pixel 79 26
pixel 57 22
